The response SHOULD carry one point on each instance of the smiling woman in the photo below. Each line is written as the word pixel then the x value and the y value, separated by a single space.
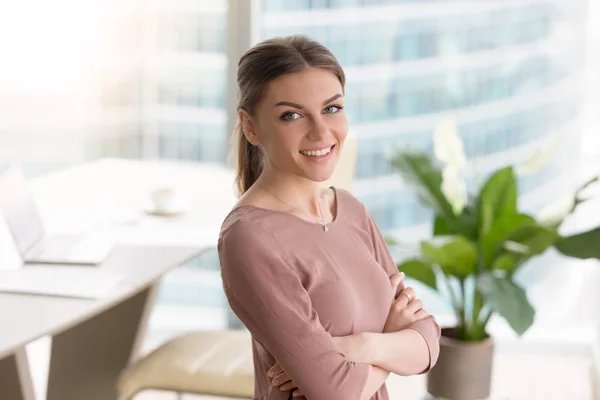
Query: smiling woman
pixel 305 268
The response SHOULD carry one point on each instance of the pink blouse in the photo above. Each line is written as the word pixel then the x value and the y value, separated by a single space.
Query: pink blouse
pixel 294 286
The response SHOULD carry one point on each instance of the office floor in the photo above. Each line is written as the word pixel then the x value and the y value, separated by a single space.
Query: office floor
pixel 532 371
pixel 517 377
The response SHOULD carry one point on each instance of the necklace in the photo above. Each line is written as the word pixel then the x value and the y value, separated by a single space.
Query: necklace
pixel 322 220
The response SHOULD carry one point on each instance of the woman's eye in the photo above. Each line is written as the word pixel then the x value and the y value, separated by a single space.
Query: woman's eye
pixel 289 116
pixel 333 109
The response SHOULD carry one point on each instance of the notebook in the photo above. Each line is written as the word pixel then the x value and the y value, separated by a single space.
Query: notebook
pixel 63 281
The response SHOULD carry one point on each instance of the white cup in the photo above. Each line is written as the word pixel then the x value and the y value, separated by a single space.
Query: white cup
pixel 163 200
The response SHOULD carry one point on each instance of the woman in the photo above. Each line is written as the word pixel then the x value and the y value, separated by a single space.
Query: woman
pixel 306 269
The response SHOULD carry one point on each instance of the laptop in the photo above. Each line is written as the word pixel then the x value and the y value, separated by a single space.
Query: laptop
pixel 25 225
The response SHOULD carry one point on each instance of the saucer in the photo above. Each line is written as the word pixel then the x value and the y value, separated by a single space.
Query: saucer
pixel 172 211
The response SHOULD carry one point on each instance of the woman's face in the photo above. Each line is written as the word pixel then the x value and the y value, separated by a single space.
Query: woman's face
pixel 301 123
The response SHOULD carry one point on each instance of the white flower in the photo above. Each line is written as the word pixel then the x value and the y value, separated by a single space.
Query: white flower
pixel 447 145
pixel 515 247
pixel 592 190
pixel 540 158
pixel 554 213
pixel 454 188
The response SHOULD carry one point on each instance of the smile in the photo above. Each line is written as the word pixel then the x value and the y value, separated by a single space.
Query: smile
pixel 317 153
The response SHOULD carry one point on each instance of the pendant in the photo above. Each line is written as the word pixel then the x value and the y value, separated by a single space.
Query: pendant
pixel 325 228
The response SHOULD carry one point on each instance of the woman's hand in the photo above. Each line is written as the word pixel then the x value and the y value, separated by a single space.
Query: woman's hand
pixel 405 308
pixel 281 379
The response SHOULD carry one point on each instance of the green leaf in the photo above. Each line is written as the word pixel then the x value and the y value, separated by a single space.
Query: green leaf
pixel 583 245
pixel 419 270
pixel 509 300
pixel 468 219
pixel 536 237
pixel 419 172
pixel 441 227
pixel 467 225
pixel 487 219
pixel 458 257
pixel 498 197
pixel 433 254
pixel 504 263
pixel 520 245
pixel 501 229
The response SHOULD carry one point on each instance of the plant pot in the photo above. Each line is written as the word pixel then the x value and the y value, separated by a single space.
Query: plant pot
pixel 463 370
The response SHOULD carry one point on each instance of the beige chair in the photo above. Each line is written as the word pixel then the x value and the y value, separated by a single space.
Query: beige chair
pixel 215 363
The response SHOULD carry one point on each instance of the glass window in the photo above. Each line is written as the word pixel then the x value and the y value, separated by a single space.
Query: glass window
pixel 374 101
pixel 345 3
pixel 410 47
pixel 407 103
pixel 338 44
pixel 480 138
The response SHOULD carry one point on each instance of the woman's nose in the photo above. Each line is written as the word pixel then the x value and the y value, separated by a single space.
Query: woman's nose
pixel 318 131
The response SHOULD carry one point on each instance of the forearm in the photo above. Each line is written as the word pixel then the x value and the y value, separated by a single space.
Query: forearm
pixel 376 378
pixel 354 348
pixel 404 353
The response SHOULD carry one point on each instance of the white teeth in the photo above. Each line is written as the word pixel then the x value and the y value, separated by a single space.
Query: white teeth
pixel 316 153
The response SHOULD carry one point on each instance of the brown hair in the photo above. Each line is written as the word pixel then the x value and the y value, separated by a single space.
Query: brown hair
pixel 262 63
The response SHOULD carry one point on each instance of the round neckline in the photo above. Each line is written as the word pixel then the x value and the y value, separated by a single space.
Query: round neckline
pixel 336 217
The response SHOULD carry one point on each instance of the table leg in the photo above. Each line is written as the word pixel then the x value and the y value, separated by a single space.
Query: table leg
pixel 86 360
pixel 15 377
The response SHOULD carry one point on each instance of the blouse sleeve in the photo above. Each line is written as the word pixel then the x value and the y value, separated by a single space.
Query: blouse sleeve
pixel 427 327
pixel 268 297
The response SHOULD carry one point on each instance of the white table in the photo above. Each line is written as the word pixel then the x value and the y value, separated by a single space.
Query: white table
pixel 93 340
pixel 112 194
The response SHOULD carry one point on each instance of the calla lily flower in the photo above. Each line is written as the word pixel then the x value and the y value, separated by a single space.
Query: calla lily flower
pixel 540 158
pixel 448 146
pixel 454 188
pixel 553 214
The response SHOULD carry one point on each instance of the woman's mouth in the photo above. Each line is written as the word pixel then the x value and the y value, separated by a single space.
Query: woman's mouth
pixel 317 153
pixel 320 155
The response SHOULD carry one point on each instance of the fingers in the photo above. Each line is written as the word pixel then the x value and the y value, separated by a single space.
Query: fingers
pixel 297 393
pixel 415 306
pixel 403 299
pixel 280 379
pixel 421 314
pixel 409 293
pixel 274 370
pixel 287 386
pixel 397 281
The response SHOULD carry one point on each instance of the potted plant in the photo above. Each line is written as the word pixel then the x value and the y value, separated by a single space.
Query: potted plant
pixel 479 242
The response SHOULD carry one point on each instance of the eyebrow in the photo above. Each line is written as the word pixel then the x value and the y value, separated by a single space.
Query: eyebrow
pixel 287 103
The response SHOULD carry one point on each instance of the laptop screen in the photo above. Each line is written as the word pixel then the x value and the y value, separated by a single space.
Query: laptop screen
pixel 18 208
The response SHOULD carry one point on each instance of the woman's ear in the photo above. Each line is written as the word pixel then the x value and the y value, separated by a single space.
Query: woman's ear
pixel 248 127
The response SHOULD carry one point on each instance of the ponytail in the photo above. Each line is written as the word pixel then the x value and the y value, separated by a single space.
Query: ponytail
pixel 249 160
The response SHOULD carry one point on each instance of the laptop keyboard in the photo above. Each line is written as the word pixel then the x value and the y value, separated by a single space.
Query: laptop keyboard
pixel 60 246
